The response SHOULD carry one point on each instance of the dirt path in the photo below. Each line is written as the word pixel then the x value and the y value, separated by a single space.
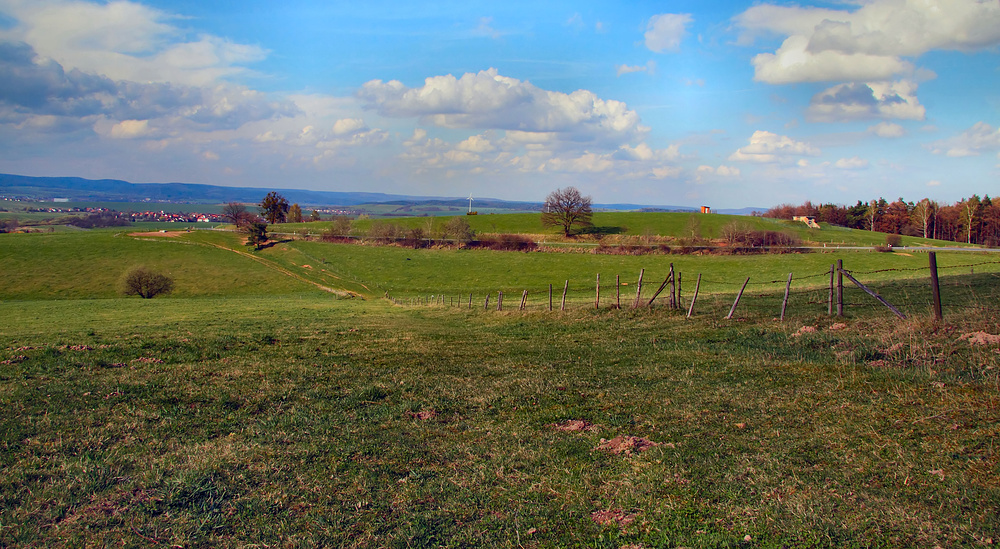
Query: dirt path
pixel 258 259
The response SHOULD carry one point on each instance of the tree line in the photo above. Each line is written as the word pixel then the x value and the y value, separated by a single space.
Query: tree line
pixel 972 220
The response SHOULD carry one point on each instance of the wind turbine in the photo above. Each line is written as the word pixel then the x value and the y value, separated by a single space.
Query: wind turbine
pixel 470 202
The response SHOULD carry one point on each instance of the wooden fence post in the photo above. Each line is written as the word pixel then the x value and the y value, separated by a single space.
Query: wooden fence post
pixel 500 300
pixel 679 304
pixel 486 307
pixel 618 291
pixel 694 298
pixel 737 302
pixel 565 289
pixel 524 298
pixel 673 288
pixel 840 287
pixel 470 300
pixel 656 294
pixel 935 286
pixel 638 289
pixel 784 302
pixel 597 298
pixel 550 297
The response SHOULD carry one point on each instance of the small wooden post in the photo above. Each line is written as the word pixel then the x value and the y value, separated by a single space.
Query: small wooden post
pixel 565 289
pixel 840 287
pixel 673 288
pixel 597 298
pixel 550 297
pixel 638 289
pixel 618 291
pixel 935 286
pixel 500 300
pixel 694 298
pixel 470 300
pixel 833 268
pixel 737 302
pixel 486 307
pixel 679 304
pixel 524 299
pixel 784 302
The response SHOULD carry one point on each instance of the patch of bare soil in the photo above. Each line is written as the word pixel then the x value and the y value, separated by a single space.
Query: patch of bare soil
pixel 626 445
pixel 838 326
pixel 423 414
pixel 804 330
pixel 615 517
pixel 574 425
pixel 980 338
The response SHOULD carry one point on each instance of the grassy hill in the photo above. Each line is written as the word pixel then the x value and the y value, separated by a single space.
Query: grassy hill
pixel 253 407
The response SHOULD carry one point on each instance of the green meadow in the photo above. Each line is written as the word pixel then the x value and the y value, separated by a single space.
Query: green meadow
pixel 316 394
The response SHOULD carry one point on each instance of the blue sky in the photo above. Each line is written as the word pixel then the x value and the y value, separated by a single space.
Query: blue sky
pixel 727 104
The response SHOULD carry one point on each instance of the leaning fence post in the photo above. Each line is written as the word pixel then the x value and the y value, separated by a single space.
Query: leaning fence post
pixel 694 298
pixel 673 288
pixel 840 287
pixel 486 307
pixel 738 296
pixel 524 298
pixel 935 286
pixel 638 289
pixel 565 289
pixel 784 302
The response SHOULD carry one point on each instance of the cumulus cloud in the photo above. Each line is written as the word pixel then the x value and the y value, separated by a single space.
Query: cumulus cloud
pixel 853 163
pixel 767 147
pixel 666 30
pixel 980 138
pixel 488 100
pixel 867 44
pixel 887 130
pixel 844 102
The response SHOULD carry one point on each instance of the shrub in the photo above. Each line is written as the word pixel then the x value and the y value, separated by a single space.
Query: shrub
pixel 893 240
pixel 145 283
pixel 508 242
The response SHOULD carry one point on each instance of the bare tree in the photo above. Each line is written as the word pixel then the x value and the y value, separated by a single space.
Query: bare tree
pixel 922 213
pixel 568 209
pixel 237 214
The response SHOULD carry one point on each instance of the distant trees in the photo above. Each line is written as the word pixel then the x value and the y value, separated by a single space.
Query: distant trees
pixel 146 283
pixel 314 216
pixel 568 209
pixel 457 228
pixel 274 208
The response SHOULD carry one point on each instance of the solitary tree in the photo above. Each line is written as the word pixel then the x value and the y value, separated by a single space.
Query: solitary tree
pixel 295 214
pixel 568 209
pixel 256 234
pixel 274 208
pixel 237 214
pixel 145 283
pixel 314 216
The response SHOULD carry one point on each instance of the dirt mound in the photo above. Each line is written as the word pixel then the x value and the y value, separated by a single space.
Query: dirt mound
pixel 980 338
pixel 626 445
pixel 804 330
pixel 615 517
pixel 574 425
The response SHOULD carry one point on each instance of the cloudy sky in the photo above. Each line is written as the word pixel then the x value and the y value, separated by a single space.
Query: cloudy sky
pixel 724 103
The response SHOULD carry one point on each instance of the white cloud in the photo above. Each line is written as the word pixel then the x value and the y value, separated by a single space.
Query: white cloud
pixel 867 44
pixel 853 163
pixel 890 100
pixel 887 130
pixel 981 137
pixel 124 41
pixel 346 126
pixel 705 172
pixel 130 129
pixel 934 183
pixel 485 28
pixel 665 31
pixel 488 100
pixel 628 69
pixel 767 147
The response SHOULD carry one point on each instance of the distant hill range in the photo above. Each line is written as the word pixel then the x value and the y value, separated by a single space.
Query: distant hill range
pixel 78 189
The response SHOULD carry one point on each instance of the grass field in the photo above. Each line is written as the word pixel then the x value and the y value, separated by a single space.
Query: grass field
pixel 253 408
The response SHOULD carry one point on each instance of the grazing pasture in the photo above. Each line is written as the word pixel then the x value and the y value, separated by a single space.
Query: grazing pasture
pixel 277 398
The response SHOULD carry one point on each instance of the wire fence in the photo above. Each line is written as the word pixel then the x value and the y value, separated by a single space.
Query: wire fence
pixel 815 293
